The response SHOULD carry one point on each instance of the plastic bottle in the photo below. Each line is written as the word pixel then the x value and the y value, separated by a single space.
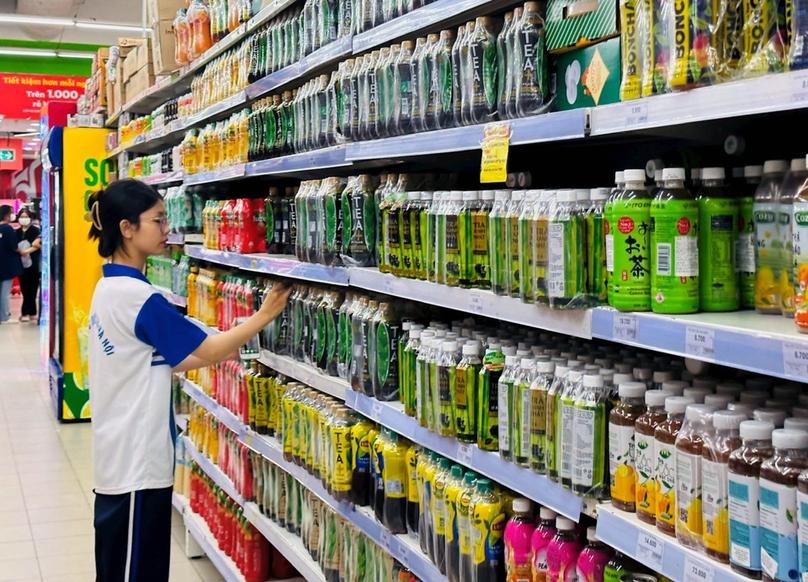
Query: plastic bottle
pixel 527 244
pixel 792 186
pixel 467 491
pixel 595 247
pixel 530 62
pixel 628 243
pixel 487 528
pixel 488 403
pixel 563 551
pixel 778 504
pixel 497 245
pixel 768 268
pixel 395 475
pixel 447 364
pixel 589 461
pixel 565 253
pixel 622 445
pixel 593 558
pixel 483 78
pixel 505 398
pixel 512 241
pixel 458 82
pixel 616 568
pixel 552 437
pixel 452 498
pixel 774 415
pixel 471 239
pixel 674 244
pixel 542 536
pixel 665 440
pixel 539 222
pixel 518 534
pixel 538 392
pixel 465 393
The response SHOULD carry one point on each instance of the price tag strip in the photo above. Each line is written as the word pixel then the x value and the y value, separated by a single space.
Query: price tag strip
pixel 464 453
pixel 700 342
pixel 697 570
pixel 625 327
pixel 475 302
pixel 650 550
pixel 795 358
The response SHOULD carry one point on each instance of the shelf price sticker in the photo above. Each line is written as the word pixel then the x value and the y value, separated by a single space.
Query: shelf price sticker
pixel 494 164
pixel 799 87
pixel 636 113
pixel 697 571
pixel 403 554
pixel 475 302
pixel 625 327
pixel 650 550
pixel 464 452
pixel 795 359
pixel 384 539
pixel 376 411
pixel 700 342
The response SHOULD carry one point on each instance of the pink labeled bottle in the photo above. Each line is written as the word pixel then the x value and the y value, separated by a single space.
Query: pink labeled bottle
pixel 542 536
pixel 518 534
pixel 593 558
pixel 562 552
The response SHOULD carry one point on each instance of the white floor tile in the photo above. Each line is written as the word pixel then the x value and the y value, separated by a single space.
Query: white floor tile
pixel 17 550
pixel 78 563
pixel 62 529
pixel 80 544
pixel 23 569
pixel 15 533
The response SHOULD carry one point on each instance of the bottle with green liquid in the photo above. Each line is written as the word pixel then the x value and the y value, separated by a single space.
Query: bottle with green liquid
pixel 447 364
pixel 674 240
pixel 449 244
pixel 539 390
pixel 422 376
pixel 433 404
pixel 745 243
pixel 487 405
pixel 505 395
pixel 590 438
pixel 595 247
pixel 420 229
pixel 521 412
pixel 527 244
pixel 718 220
pixel 467 240
pixel 410 209
pixel 480 256
pixel 565 426
pixel 394 234
pixel 438 230
pixel 409 356
pixel 497 247
pixel 512 241
pixel 465 393
pixel 539 221
pixel 565 269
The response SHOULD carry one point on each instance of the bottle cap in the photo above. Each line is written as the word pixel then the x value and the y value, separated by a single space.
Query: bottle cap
pixel 566 196
pixel 488 195
pixel 643 373
pixel 574 376
pixel 677 404
pixel 663 376
pixel 413 195
pixel 522 353
pixel 415 333
pixel 758 383
pixel 658 175
pixel 773 415
pixel 632 389
pixel 798 165
pixel 565 523
pixel 511 361
pixel 728 420
pixel 698 412
pixel 741 407
pixel 471 349
pixel 545 367
pixel 720 401
pixel 455 195
pixel 619 178
pixel 521 505
pixel 509 351
pixel 778 404
pixel 695 174
pixel 471 195
pixel 502 195
pixel 729 388
pixel 598 194
pixel 527 363
pixel 449 347
pixel 561 371
pixel 754 397
pixel 705 382
pixel 673 174
pixel 426 195
pixel 622 378
pixel 756 430
pixel 794 423
pixel 789 439
pixel 713 174
pixel 800 412
pixel 546 513
pixel 775 166
pixel 697 394
pixel 573 363
pixel 593 381
pixel 787 392
pixel 592 368
pixel 634 176
pixel 656 397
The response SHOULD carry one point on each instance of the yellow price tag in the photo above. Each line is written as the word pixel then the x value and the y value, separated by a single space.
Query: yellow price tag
pixel 494 165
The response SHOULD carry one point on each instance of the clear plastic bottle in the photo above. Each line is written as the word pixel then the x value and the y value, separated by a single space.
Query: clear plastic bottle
pixel 565 252
pixel 539 391
pixel 590 440
pixel 645 454
pixel 505 397
pixel 552 437
pixel 497 245
pixel 447 363
pixel 513 213
pixel 665 446
pixel 622 444
pixel 521 407
pixel 465 394
pixel 527 243
pixel 768 268
pixel 791 207
pixel 565 425
pixel 464 525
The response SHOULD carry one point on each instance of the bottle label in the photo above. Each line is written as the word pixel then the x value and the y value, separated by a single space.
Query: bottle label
pixel 504 390
pixel 556 269
pixel 567 413
pixel 451 503
pixel 538 415
pixel 799 237
pixel 767 256
pixel 395 476
pixel 718 218
pixel 587 429
pixel 464 524
pixel 778 529
pixel 438 506
pixel 622 462
pixel 674 238
pixel 487 529
pixel 714 505
pixel 630 276
pixel 802 534
pixel 666 483
pixel 523 450
pixel 341 439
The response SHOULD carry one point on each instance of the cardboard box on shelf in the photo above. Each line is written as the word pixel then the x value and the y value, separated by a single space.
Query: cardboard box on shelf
pixel 138 59
pixel 109 91
pixel 100 59
pixel 139 82
pixel 163 9
pixel 119 88
pixel 589 76
pixel 129 66
pixel 163 47
pixel 130 42
pixel 144 56
pixel 578 23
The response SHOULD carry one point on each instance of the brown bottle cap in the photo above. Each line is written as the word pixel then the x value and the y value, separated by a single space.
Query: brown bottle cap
pixel 532 6
pixel 433 38
pixel 384 51
pixel 407 45
pixel 350 63
pixel 446 34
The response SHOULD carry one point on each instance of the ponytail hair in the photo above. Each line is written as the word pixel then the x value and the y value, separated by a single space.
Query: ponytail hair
pixel 121 200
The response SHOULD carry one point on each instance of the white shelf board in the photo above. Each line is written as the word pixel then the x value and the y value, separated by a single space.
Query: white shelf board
pixel 203 536
pixel 177 300
pixel 213 471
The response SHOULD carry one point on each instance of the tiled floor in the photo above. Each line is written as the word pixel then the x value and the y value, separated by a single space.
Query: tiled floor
pixel 46 479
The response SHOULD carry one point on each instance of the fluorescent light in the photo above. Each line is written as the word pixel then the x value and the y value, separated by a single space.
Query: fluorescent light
pixel 41 20
pixel 102 26
pixel 74 55
pixel 27 52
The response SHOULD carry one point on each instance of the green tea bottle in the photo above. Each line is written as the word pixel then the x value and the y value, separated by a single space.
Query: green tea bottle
pixel 565 268
pixel 483 61
pixel 465 394
pixel 466 239
pixel 480 257
pixel 420 234
pixel 527 245
pixel 407 365
pixel 674 240
pixel 363 223
pixel 521 408
pixel 422 377
pixel 433 402
pixel 745 245
pixel 497 247
pixel 487 405
pixel 457 79
pixel 384 82
pixel 505 396
pixel 628 247
pixel 505 77
pixel 355 370
pixel 565 426
pixel 443 80
pixel 394 234
pixel 449 240
pixel 595 247
pixel 590 438
pixel 382 198
pixel 539 391
pixel 387 333
pixel 447 363
pixel 768 269
pixel 718 231
pixel 437 229
pixel 539 222
pixel 792 184
pixel 512 241
pixel 416 64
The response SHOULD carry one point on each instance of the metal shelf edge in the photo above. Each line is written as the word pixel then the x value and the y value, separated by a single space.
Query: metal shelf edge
pixel 335 387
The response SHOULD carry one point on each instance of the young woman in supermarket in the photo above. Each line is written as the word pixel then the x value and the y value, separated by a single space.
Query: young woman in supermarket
pixel 137 340
pixel 10 262
pixel 30 245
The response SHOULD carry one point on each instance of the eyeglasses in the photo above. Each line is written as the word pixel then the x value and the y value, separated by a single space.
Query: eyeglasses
pixel 162 221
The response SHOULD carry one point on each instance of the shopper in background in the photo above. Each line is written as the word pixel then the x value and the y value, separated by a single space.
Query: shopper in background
pixel 10 262
pixel 30 245
pixel 137 339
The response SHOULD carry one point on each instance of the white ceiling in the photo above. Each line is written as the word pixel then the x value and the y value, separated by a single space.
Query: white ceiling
pixel 107 11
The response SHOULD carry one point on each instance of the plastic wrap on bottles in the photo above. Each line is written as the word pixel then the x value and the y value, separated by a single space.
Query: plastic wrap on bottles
pixel 482 71
pixel 182 37
pixel 505 77
pixel 530 63
pixel 631 47
pixel 652 24
pixel 693 53
pixel 565 253
pixel 730 32
pixel 765 38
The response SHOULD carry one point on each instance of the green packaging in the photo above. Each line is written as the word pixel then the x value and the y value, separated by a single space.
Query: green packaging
pixel 552 467
pixel 512 241
pixel 539 389
pixel 487 406
pixel 464 396
pixel 467 241
pixel 450 242
pixel 589 429
pixel 565 268
pixel 745 243
pixel 447 363
pixel 527 243
pixel 540 220
pixel 505 396
pixel 718 221
pixel 497 247
pixel 521 413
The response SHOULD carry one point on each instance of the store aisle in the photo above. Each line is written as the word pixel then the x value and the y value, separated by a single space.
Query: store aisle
pixel 46 475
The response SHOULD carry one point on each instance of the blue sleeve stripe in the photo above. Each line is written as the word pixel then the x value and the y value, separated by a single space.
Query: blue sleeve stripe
pixel 161 326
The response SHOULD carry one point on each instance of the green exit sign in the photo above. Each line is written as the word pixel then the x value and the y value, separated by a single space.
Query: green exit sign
pixel 8 155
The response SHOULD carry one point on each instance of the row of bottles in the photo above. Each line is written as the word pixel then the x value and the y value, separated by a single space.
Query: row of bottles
pixel 170 271
pixel 237 226
pixel 202 24
pixel 221 78
pixel 217 146
pixel 184 209
pixel 218 297
pixel 163 162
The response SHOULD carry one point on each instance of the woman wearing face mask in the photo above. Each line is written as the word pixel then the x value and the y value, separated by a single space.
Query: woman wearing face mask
pixel 31 254
pixel 10 263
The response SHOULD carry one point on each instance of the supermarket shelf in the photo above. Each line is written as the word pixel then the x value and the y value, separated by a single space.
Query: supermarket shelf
pixel 540 128
pixel 203 536
pixel 536 487
pixel 213 471
pixel 574 322
pixel 178 238
pixel 224 415
pixel 219 109
pixel 179 502
pixel 333 157
pixel 158 179
pixel 765 344
pixel 305 67
pixel 231 173
pixel 663 554
pixel 177 300
pixel 782 92
pixel 181 420
pixel 280 265
pixel 336 387
pixel 286 543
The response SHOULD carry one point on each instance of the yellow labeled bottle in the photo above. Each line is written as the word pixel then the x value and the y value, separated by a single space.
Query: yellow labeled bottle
pixel 341 436
pixel 395 475
pixel 454 487
pixel 488 522
pixel 413 493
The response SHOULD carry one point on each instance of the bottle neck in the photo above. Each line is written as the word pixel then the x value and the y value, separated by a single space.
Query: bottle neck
pixel 676 416
pixel 638 401
pixel 791 453
pixel 758 443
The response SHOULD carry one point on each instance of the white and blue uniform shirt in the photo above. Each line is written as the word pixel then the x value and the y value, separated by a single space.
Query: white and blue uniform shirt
pixel 136 338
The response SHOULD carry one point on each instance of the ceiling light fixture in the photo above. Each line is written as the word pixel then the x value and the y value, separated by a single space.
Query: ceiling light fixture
pixel 13 52
pixel 102 26
pixel 74 55
pixel 67 22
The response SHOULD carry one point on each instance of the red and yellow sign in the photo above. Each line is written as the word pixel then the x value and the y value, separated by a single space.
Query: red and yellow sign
pixel 24 94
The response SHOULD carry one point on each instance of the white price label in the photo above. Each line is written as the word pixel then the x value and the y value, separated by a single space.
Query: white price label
pixel 376 411
pixel 799 87
pixel 649 550
pixel 403 554
pixel 475 302
pixel 247 439
pixel 384 538
pixel 388 285
pixel 464 452
pixel 795 359
pixel 636 113
pixel 700 342
pixel 253 263
pixel 625 327
pixel 697 571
